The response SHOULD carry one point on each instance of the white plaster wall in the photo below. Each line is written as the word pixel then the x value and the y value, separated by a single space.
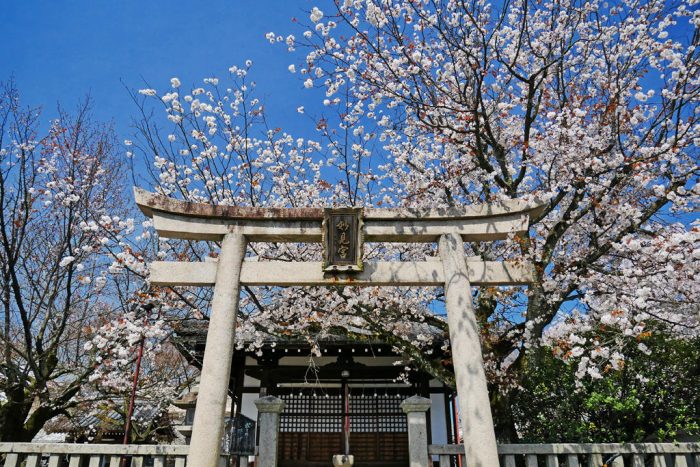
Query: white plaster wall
pixel 437 419
pixel 250 382
pixel 303 360
pixel 247 406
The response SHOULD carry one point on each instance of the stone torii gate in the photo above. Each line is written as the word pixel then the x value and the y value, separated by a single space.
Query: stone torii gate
pixel 342 232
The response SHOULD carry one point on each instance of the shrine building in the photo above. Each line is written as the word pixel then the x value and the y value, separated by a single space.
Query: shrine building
pixel 357 383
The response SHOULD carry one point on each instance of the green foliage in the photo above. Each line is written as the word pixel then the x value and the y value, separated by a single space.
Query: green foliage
pixel 655 396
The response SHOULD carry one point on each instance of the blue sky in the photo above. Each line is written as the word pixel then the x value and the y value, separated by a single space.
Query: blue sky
pixel 58 51
pixel 61 50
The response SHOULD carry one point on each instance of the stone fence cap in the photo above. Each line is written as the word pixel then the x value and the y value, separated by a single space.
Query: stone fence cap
pixel 269 404
pixel 416 404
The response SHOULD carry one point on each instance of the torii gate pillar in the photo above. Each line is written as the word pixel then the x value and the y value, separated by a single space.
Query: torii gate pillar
pixel 474 405
pixel 208 427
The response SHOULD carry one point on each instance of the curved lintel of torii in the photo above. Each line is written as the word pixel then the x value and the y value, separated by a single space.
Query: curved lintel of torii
pixel 198 221
pixel 150 202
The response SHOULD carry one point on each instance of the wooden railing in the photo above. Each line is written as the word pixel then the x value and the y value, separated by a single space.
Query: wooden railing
pixel 90 455
pixel 583 455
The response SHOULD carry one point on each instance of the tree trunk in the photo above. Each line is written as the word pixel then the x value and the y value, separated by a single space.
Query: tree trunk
pixel 504 424
pixel 13 413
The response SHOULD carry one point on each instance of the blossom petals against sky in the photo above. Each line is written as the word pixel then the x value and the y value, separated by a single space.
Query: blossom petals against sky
pixel 60 51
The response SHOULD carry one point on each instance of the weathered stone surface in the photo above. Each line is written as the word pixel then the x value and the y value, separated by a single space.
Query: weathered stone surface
pixel 207 428
pixel 102 449
pixel 172 225
pixel 269 408
pixel 283 273
pixel 178 219
pixel 415 404
pixel 692 449
pixel 474 404
pixel 341 460
pixel 269 404
pixel 415 408
pixel 150 202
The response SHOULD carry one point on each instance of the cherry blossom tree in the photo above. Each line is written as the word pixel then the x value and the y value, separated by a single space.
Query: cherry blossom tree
pixel 162 374
pixel 63 214
pixel 590 106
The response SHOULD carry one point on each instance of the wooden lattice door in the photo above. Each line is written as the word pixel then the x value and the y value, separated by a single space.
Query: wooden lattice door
pixel 311 429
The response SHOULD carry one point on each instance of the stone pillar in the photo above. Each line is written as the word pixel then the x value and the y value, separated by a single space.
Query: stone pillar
pixel 415 408
pixel 269 410
pixel 207 429
pixel 474 404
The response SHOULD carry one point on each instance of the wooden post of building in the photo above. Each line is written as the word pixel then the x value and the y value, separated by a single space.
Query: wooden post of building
pixel 269 410
pixel 415 408
pixel 207 429
pixel 474 405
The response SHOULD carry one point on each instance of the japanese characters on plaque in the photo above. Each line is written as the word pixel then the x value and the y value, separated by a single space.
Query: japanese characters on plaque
pixel 342 240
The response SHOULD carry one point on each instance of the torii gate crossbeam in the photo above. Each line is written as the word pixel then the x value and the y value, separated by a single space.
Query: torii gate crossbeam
pixel 234 227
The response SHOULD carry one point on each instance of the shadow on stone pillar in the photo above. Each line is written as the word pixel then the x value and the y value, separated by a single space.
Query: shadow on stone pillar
pixel 269 410
pixel 415 408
